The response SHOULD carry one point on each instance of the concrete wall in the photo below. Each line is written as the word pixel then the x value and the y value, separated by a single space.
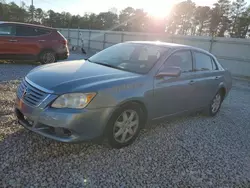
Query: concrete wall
pixel 234 54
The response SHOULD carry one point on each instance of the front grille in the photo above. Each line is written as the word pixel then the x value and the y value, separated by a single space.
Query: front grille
pixel 29 94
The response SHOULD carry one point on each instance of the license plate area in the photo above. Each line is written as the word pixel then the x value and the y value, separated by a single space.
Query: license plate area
pixel 28 122
pixel 26 109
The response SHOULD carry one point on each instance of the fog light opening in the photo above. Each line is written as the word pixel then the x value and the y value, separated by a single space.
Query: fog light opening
pixel 67 132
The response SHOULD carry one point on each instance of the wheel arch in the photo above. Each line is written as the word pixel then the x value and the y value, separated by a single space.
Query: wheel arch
pixel 46 49
pixel 223 89
pixel 137 101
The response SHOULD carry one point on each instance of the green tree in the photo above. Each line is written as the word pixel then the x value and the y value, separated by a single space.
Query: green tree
pixel 225 21
pixel 39 15
pixel 202 18
pixel 125 19
pixel 180 18
pixel 214 20
pixel 108 20
pixel 239 18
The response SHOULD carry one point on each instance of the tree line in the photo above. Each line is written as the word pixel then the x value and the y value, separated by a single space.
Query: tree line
pixel 224 18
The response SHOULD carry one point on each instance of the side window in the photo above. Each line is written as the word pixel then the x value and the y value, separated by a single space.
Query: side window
pixel 182 59
pixel 24 31
pixel 203 62
pixel 30 31
pixel 6 30
pixel 41 31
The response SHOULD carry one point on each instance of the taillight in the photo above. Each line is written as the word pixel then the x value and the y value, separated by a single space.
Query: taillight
pixel 64 42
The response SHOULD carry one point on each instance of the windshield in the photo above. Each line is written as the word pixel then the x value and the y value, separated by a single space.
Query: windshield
pixel 132 57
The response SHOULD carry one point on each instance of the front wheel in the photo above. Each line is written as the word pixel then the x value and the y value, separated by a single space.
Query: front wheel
pixel 124 126
pixel 47 57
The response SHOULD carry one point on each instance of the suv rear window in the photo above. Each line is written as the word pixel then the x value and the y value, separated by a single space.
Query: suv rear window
pixel 30 31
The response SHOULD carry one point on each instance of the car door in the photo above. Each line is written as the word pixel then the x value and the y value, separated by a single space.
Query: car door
pixel 207 78
pixel 27 40
pixel 175 94
pixel 7 48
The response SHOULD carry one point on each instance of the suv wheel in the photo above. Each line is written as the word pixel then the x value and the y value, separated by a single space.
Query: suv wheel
pixel 47 57
pixel 124 126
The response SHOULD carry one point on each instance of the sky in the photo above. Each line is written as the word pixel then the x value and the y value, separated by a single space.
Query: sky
pixel 157 8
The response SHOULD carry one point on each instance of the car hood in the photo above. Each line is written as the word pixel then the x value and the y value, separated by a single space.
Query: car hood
pixel 74 76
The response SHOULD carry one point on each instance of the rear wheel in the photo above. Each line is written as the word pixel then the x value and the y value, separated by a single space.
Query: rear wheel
pixel 215 105
pixel 47 57
pixel 124 126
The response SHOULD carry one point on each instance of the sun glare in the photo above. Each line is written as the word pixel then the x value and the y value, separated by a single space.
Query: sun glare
pixel 158 8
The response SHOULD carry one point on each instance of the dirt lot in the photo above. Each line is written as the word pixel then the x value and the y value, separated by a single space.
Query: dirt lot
pixel 193 151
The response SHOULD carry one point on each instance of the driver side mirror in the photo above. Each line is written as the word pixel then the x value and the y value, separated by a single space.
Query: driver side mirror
pixel 169 72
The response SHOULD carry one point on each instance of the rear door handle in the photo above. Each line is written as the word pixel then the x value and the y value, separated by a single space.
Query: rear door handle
pixel 217 77
pixel 13 40
pixel 191 82
pixel 41 41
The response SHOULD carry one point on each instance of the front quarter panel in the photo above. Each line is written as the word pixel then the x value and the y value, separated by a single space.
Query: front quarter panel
pixel 139 89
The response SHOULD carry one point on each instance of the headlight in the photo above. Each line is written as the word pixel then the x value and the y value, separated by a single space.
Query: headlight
pixel 73 100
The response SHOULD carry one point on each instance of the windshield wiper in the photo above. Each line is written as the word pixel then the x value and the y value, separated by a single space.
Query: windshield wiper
pixel 104 64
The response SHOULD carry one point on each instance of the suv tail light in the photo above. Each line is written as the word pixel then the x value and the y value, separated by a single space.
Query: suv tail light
pixel 63 40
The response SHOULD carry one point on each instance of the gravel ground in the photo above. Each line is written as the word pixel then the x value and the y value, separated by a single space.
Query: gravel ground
pixel 193 151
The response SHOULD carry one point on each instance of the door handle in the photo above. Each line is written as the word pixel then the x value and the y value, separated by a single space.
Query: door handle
pixel 217 77
pixel 13 40
pixel 191 82
pixel 41 41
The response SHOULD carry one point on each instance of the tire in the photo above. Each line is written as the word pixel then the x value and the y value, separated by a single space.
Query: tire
pixel 214 106
pixel 47 57
pixel 119 126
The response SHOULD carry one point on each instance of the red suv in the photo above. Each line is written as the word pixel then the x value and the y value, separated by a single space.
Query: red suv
pixel 19 41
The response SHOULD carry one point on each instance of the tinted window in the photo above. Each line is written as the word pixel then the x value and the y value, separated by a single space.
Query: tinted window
pixel 42 31
pixel 182 59
pixel 6 30
pixel 203 62
pixel 30 31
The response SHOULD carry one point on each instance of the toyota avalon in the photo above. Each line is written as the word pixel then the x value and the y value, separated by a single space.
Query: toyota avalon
pixel 119 90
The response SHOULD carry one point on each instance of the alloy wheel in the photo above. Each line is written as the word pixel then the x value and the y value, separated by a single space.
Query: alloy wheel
pixel 48 57
pixel 126 126
pixel 216 103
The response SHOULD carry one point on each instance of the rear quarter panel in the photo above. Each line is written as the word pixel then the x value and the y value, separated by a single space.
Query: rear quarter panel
pixel 227 80
pixel 55 42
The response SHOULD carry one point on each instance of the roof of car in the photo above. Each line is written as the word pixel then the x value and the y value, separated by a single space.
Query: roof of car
pixel 26 24
pixel 170 45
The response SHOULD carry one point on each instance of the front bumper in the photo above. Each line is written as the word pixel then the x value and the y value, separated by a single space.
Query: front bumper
pixel 65 125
